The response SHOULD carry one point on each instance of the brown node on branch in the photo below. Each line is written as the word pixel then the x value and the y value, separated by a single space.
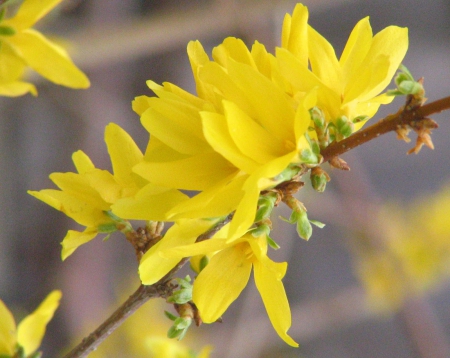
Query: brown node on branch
pixel 144 238
pixel 339 163
pixel 189 310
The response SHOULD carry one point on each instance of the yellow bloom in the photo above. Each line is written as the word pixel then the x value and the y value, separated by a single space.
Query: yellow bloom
pixel 228 272
pixel 230 142
pixel 22 47
pixel 87 196
pixel 30 331
pixel 349 86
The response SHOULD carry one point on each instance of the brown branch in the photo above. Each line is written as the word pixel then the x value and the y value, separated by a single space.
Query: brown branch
pixel 404 117
pixel 162 288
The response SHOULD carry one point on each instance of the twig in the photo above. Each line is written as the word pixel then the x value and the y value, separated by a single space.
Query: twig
pixel 162 288
pixel 390 123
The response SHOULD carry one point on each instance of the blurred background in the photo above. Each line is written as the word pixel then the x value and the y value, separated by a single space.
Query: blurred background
pixel 122 43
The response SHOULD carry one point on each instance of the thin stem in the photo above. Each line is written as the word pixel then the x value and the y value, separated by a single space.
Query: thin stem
pixel 162 288
pixel 388 124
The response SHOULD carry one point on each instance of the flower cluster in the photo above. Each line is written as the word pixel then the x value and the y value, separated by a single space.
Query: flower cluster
pixel 258 121
pixel 21 47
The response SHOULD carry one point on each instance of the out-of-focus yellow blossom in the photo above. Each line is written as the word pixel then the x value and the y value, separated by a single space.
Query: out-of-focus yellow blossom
pixel 231 142
pixel 22 47
pixel 30 331
pixel 87 196
pixel 144 335
pixel 413 256
pixel 351 85
pixel 228 272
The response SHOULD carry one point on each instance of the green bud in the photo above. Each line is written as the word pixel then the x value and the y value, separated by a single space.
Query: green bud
pixel 307 156
pixel 7 31
pixel 410 87
pixel 35 355
pixel 304 228
pixel 315 147
pixel 260 230
pixel 344 126
pixel 317 117
pixel 319 179
pixel 288 173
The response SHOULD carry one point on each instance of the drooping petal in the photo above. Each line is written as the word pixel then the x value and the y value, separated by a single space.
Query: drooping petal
pixel 199 248
pixel 48 59
pixel 31 330
pixel 153 266
pixel 7 331
pixel 221 282
pixel 275 301
pixel 30 12
pixel 74 239
pixel 18 88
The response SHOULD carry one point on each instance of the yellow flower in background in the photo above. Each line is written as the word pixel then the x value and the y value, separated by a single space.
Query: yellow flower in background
pixel 351 85
pixel 87 196
pixel 144 335
pixel 228 272
pixel 22 47
pixel 231 142
pixel 27 336
pixel 413 254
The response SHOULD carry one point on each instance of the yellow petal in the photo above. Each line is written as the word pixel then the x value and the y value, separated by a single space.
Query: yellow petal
pixel 323 61
pixel 124 154
pixel 74 239
pixel 274 297
pixel 198 58
pixel 150 203
pixel 193 173
pixel 31 330
pixel 176 124
pixel 140 104
pixel 153 266
pixel 217 134
pixel 199 248
pixel 252 139
pixel 234 49
pixel 7 331
pixel 294 36
pixel 12 67
pixel 15 89
pixel 82 162
pixel 30 12
pixel 221 282
pixel 271 107
pixel 218 200
pixel 79 186
pixel 355 51
pixel 48 59
pixel 80 211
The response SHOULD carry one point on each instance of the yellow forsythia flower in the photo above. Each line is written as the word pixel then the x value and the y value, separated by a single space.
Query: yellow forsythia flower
pixel 30 331
pixel 87 196
pixel 228 272
pixel 22 47
pixel 348 86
